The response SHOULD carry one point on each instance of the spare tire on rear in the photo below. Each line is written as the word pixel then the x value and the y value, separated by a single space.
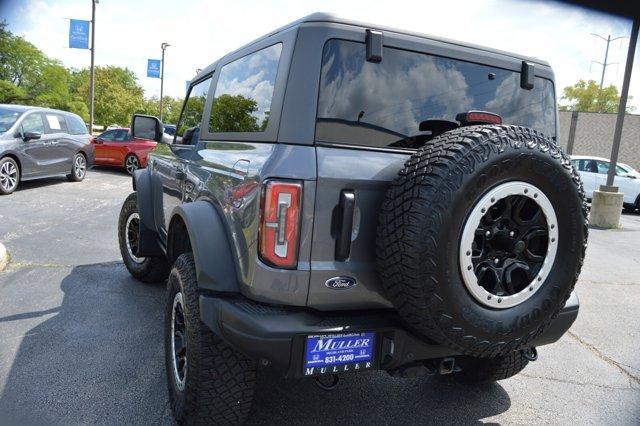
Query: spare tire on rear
pixel 482 237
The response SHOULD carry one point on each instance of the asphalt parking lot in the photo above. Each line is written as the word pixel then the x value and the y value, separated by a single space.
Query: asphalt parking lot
pixel 81 341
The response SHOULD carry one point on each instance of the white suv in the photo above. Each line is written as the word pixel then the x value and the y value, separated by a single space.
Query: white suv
pixel 593 172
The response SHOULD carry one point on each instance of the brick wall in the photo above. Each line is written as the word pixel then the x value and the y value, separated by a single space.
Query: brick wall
pixel 594 135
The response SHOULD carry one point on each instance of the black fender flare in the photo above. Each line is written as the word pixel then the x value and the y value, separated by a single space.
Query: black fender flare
pixel 212 253
pixel 149 239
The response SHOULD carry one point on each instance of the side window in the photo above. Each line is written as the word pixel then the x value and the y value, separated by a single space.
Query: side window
pixel 603 167
pixel 33 123
pixel 121 135
pixel 56 123
pixel 108 135
pixel 188 128
pixel 620 171
pixel 576 164
pixel 76 125
pixel 589 166
pixel 243 95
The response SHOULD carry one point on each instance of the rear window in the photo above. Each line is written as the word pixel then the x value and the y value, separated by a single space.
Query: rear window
pixel 382 104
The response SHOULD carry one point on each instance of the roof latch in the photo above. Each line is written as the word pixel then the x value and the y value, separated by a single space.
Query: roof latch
pixel 527 75
pixel 374 46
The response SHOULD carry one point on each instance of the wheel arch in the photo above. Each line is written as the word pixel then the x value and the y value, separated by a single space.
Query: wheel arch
pixel 200 223
pixel 149 239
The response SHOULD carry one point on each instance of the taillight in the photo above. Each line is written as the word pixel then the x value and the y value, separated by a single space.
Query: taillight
pixel 280 223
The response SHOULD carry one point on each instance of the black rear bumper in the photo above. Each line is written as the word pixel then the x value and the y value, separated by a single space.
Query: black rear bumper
pixel 275 336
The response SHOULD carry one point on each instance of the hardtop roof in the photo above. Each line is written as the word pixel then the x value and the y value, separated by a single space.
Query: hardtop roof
pixel 331 18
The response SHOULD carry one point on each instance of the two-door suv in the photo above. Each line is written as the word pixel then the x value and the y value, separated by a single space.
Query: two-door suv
pixel 342 197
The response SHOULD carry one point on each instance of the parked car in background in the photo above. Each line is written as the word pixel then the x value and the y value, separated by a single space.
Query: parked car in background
pixel 117 148
pixel 593 172
pixel 170 129
pixel 113 126
pixel 38 142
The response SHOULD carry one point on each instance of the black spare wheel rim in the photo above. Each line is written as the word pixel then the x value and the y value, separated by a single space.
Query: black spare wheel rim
pixel 508 245
pixel 481 238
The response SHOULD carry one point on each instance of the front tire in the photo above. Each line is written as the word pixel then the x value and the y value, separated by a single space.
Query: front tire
pixel 9 175
pixel 209 382
pixel 145 269
pixel 78 168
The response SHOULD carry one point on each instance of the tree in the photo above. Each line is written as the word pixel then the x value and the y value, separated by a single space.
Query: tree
pixel 117 93
pixel 234 114
pixel 587 96
pixel 171 106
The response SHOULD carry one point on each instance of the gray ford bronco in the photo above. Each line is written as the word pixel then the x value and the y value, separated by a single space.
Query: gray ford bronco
pixel 342 197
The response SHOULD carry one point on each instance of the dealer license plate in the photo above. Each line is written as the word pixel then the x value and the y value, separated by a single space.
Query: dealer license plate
pixel 337 353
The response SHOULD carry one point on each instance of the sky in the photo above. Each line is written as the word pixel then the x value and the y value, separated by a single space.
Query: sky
pixel 128 32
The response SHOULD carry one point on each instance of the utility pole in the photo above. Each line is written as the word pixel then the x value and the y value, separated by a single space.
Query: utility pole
pixel 93 52
pixel 617 134
pixel 605 64
pixel 163 46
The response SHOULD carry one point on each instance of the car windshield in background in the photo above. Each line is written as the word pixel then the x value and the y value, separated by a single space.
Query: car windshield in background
pixel 382 104
pixel 8 117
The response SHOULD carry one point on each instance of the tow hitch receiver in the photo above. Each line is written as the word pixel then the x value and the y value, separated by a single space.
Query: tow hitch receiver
pixel 447 366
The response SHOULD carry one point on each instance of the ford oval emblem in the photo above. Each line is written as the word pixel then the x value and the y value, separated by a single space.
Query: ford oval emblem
pixel 340 283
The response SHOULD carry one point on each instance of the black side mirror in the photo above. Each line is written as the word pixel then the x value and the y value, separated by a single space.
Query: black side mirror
pixel 146 127
pixel 27 136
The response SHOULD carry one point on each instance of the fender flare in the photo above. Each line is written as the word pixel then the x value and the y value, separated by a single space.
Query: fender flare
pixel 149 239
pixel 212 253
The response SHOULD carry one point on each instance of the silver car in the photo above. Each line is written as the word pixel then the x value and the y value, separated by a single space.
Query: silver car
pixel 38 142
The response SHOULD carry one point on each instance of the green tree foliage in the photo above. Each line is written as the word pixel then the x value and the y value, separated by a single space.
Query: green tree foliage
pixel 117 93
pixel 171 106
pixel 587 96
pixel 234 114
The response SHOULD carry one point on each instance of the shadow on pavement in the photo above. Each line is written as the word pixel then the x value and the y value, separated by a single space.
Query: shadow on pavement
pixel 99 359
pixel 375 398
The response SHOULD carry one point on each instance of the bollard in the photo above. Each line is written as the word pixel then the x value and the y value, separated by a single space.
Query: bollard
pixel 606 208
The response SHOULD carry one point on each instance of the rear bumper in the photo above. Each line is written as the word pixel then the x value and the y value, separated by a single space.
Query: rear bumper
pixel 275 336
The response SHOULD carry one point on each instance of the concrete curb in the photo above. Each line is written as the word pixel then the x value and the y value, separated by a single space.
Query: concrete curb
pixel 4 257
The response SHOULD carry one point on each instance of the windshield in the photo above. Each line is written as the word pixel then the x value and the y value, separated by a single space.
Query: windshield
pixel 8 117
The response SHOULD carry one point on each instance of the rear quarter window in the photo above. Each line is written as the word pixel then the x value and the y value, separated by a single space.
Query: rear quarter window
pixel 382 104
pixel 243 94
pixel 76 125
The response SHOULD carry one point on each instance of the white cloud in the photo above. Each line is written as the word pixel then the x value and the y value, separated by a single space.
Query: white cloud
pixel 200 31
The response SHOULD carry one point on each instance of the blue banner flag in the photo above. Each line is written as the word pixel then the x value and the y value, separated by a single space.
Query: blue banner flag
pixel 79 34
pixel 153 68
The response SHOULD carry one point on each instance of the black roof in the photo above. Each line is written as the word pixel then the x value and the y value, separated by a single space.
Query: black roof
pixel 331 18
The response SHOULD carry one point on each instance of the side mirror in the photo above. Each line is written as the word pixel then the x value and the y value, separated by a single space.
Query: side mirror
pixel 146 127
pixel 630 176
pixel 27 136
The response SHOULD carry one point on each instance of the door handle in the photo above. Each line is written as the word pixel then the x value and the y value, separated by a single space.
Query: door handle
pixel 344 223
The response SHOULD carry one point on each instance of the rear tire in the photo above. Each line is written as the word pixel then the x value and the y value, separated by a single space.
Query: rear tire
pixel 209 382
pixel 78 168
pixel 486 370
pixel 131 163
pixel 145 269
pixel 9 175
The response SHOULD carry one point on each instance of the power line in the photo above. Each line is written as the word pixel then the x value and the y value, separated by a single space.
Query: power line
pixel 605 64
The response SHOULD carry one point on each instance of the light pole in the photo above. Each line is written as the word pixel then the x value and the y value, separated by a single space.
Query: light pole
pixel 163 46
pixel 92 72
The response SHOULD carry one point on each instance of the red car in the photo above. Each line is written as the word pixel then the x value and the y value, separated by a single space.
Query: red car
pixel 117 148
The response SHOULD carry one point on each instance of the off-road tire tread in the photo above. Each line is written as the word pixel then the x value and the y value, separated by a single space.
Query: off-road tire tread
pixel 486 370
pixel 154 269
pixel 421 194
pixel 220 380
